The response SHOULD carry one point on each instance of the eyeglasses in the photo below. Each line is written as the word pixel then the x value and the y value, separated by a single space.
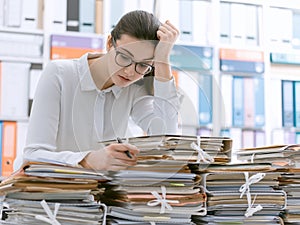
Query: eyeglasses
pixel 124 60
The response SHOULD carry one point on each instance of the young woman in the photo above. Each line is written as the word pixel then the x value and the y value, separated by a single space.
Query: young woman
pixel 83 101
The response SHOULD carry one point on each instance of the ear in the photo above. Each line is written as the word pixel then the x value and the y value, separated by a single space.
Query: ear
pixel 109 44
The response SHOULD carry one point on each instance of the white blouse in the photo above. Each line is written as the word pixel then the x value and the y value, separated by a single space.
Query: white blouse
pixel 70 115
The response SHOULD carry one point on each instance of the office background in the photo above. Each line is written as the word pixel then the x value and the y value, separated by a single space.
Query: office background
pixel 236 62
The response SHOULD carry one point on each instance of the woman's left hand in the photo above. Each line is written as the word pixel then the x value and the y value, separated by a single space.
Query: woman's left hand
pixel 167 35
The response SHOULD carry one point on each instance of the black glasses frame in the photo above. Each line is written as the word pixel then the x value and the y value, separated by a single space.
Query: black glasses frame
pixel 131 61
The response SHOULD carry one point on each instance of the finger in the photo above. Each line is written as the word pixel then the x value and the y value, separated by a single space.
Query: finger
pixel 122 155
pixel 168 23
pixel 169 27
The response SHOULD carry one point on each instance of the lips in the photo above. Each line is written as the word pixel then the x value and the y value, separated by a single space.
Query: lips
pixel 124 78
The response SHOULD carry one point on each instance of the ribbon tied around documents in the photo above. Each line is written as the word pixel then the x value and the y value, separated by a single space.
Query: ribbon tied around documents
pixel 52 216
pixel 245 188
pixel 161 200
pixel 202 156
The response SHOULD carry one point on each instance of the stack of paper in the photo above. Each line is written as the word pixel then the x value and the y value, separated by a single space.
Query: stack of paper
pixel 182 148
pixel 237 192
pixel 290 183
pixel 163 192
pixel 56 193
pixel 278 155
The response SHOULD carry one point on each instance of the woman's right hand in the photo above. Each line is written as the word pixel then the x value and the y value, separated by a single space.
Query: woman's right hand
pixel 112 157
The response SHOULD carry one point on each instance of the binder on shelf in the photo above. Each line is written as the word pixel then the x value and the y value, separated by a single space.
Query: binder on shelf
pixel 238 24
pixel 20 142
pixel 278 137
pixel 285 58
pixel 248 138
pixel 2 14
pixel 289 137
pixel 14 89
pixel 99 17
pixel 252 25
pixel 186 20
pixel 191 57
pixel 281 27
pixel 238 101
pixel 286 25
pixel 259 102
pixel 226 90
pixel 87 16
pixel 32 14
pixel 169 10
pixel 241 61
pixel 297 137
pixel 13 12
pixel 225 32
pixel 1 140
pixel 68 46
pixel 205 100
pixel 34 76
pixel 8 147
pixel 200 21
pixel 274 22
pixel 73 15
pixel 297 103
pixel 56 13
pixel 260 138
pixel 275 98
pixel 189 110
pixel 249 102
pixel 287 103
pixel 296 30
pixel 118 8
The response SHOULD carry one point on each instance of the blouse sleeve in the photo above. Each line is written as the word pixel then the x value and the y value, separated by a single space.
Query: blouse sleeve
pixel 44 122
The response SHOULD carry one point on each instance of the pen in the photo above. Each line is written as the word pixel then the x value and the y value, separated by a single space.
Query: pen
pixel 126 152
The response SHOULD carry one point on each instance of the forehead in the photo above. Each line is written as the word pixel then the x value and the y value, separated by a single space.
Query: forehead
pixel 139 49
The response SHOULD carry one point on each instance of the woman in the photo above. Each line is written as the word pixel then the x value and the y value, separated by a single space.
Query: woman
pixel 83 101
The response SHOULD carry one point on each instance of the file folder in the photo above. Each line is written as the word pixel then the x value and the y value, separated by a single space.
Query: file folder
pixel 73 15
pixel 287 103
pixel 238 102
pixel 87 16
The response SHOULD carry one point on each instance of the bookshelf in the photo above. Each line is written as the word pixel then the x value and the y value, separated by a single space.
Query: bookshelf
pixel 261 55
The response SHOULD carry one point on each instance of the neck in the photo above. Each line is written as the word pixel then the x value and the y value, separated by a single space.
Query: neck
pixel 100 73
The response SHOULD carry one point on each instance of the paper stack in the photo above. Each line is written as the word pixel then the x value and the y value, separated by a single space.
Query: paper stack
pixel 54 194
pixel 183 148
pixel 160 188
pixel 290 183
pixel 279 155
pixel 244 193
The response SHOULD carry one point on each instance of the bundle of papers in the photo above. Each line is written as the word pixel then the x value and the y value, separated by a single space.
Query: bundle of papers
pixel 239 192
pixel 290 183
pixel 56 193
pixel 27 212
pixel 278 155
pixel 182 147
pixel 159 196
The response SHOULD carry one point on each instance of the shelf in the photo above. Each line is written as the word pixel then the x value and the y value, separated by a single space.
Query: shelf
pixel 21 31
pixel 21 59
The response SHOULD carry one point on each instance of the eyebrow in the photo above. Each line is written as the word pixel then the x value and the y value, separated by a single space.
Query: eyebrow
pixel 133 55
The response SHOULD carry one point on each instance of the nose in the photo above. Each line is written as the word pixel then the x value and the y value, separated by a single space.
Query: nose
pixel 130 70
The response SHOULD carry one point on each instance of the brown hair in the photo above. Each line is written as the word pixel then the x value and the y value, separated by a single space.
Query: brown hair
pixel 139 24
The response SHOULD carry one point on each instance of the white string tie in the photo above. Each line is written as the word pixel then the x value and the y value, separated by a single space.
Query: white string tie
pixel 52 216
pixel 202 155
pixel 245 188
pixel 104 213
pixel 161 200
